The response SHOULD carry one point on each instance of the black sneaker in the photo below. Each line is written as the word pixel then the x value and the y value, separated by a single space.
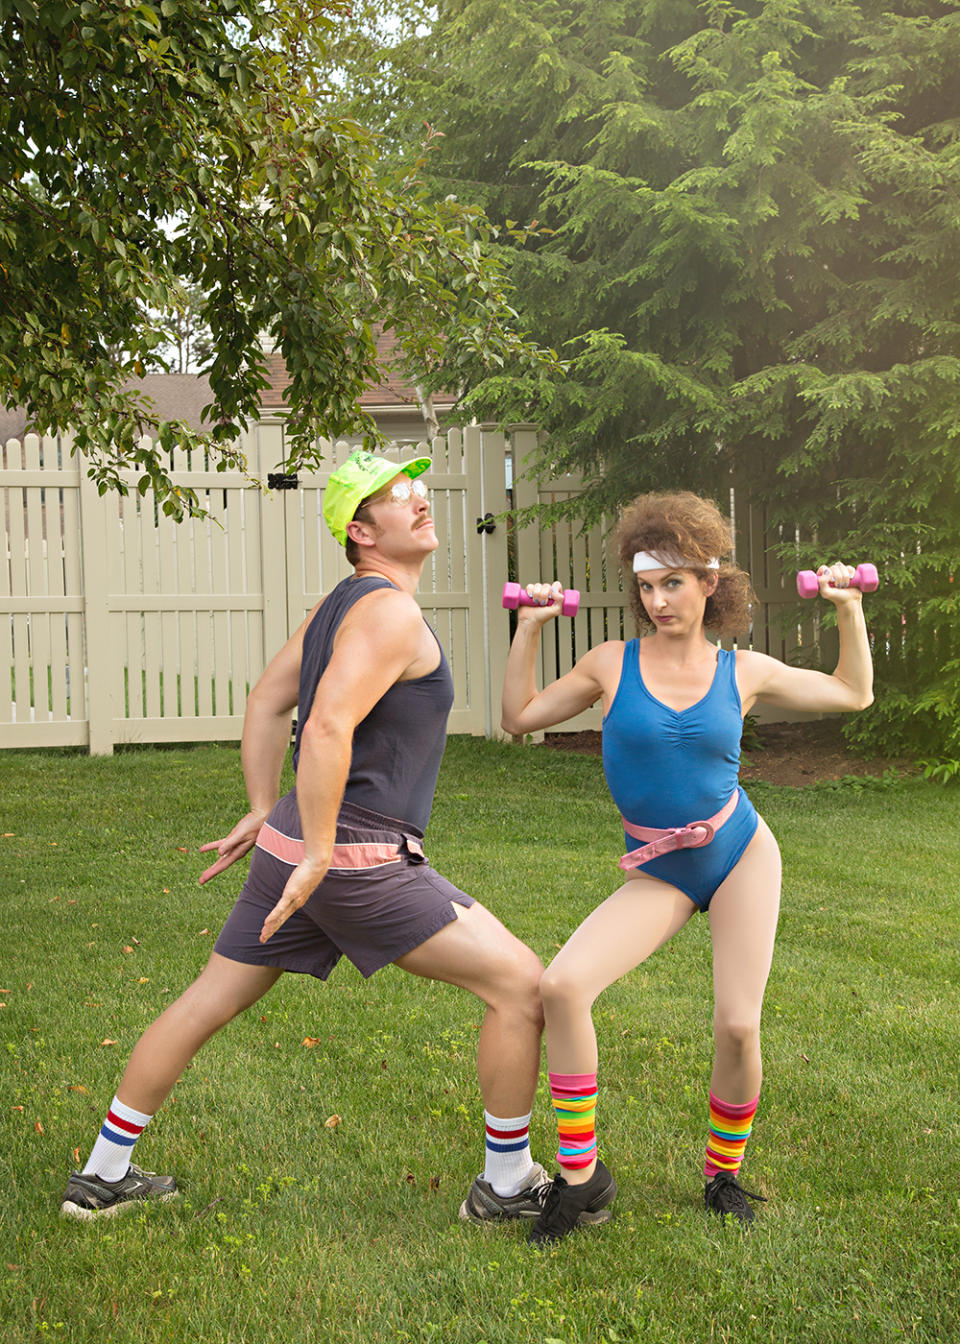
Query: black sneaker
pixel 484 1205
pixel 90 1197
pixel 569 1206
pixel 724 1194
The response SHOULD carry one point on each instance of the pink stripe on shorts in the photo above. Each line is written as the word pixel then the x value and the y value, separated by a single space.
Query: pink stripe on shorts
pixel 379 900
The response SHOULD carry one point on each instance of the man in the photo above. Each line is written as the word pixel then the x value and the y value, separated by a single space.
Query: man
pixel 338 867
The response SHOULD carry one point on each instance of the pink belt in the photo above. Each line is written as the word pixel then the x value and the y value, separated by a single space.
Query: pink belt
pixel 691 836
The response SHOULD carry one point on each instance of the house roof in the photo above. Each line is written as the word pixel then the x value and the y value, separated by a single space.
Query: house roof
pixel 392 393
pixel 182 396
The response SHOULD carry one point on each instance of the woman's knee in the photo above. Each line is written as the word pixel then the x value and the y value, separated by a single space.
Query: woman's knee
pixel 562 990
pixel 736 1034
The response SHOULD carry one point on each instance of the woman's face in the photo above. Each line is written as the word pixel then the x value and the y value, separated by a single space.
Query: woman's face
pixel 675 599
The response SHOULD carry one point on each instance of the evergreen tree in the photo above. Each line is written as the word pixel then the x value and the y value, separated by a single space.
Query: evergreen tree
pixel 747 247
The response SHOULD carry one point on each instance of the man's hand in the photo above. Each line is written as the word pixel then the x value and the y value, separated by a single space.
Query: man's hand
pixel 233 846
pixel 301 884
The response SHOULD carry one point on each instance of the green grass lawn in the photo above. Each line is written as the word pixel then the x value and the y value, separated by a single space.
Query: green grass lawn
pixel 293 1230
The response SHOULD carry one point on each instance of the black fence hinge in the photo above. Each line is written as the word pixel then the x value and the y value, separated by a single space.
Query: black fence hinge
pixel 279 480
pixel 486 524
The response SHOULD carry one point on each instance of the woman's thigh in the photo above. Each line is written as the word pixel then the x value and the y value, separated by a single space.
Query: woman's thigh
pixel 743 927
pixel 619 934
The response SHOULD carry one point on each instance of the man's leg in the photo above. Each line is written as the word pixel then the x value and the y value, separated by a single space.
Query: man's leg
pixel 480 954
pixel 476 952
pixel 222 990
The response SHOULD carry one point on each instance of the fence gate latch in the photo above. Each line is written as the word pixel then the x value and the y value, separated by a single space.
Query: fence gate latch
pixel 279 480
pixel 486 524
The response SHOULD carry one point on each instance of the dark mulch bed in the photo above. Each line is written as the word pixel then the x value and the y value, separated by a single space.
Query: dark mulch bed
pixel 789 753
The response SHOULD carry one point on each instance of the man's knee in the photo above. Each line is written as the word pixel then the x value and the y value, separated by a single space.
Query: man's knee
pixel 515 982
pixel 224 989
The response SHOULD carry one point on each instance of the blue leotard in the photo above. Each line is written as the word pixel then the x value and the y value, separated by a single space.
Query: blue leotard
pixel 666 767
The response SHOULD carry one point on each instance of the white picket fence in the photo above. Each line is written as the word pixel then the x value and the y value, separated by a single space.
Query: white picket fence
pixel 120 626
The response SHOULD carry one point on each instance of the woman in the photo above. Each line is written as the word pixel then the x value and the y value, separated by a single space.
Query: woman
pixel 673 706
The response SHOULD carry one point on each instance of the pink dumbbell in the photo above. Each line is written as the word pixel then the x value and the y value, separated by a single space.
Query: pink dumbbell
pixel 514 596
pixel 808 585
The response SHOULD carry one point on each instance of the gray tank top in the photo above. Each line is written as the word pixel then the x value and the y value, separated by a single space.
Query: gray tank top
pixel 398 747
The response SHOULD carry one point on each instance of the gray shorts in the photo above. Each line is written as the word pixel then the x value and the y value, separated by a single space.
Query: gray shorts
pixel 379 900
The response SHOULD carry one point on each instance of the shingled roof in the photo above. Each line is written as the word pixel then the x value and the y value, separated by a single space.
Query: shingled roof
pixel 393 393
pixel 182 396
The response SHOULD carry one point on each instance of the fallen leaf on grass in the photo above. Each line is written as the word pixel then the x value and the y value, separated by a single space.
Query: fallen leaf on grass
pixel 6 991
pixel 38 1127
pixel 128 949
pixel 311 1041
pixel 76 1087
pixel 9 835
pixel 76 1154
pixel 14 1269
pixel 107 1041
pixel 202 932
pixel 435 1184
pixel 144 980
pixel 182 849
pixel 16 1108
pixel 410 1178
pixel 332 1122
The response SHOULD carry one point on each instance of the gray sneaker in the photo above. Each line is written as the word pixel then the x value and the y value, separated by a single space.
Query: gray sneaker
pixel 89 1197
pixel 484 1205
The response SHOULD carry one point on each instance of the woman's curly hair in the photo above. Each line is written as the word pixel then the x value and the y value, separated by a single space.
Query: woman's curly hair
pixel 683 524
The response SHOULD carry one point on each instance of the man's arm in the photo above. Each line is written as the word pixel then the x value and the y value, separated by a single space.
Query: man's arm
pixel 263 748
pixel 379 639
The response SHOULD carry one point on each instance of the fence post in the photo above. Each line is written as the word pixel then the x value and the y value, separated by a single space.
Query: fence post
pixel 493 499
pixel 275 544
pixel 96 617
pixel 526 492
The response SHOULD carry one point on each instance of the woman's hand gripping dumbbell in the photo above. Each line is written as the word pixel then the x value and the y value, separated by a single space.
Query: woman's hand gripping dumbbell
pixel 514 596
pixel 863 577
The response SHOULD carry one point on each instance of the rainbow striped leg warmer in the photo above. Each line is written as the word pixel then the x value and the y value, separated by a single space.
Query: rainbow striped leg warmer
pixel 730 1127
pixel 575 1102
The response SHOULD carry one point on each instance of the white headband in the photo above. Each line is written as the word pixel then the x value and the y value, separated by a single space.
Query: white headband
pixel 644 560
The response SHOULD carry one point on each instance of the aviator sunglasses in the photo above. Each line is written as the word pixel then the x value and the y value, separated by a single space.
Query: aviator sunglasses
pixel 400 492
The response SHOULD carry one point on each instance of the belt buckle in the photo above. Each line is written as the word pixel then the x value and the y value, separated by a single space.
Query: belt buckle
pixel 687 837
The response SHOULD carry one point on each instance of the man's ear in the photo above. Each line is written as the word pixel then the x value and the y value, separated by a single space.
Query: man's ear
pixel 363 534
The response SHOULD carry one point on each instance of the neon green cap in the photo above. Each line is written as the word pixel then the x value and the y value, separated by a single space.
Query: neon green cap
pixel 359 477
